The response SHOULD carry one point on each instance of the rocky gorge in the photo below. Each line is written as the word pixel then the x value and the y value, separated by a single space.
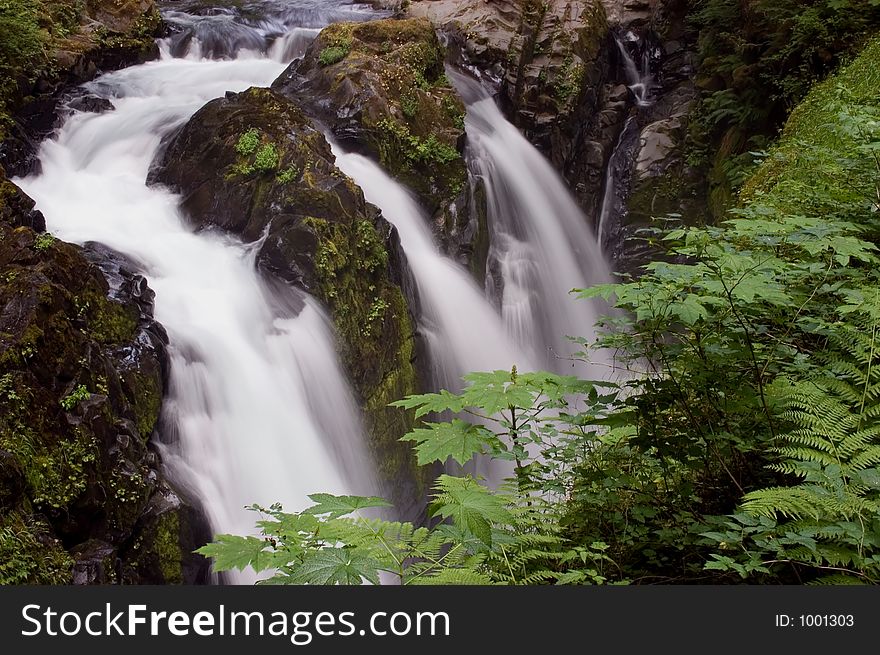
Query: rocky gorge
pixel 97 392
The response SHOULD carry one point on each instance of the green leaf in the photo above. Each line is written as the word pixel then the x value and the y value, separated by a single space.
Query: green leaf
pixel 497 391
pixel 330 566
pixel 457 439
pixel 232 552
pixel 336 506
pixel 471 506
pixel 431 402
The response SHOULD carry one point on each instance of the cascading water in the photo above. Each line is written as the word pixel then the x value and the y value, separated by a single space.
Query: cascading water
pixel 541 243
pixel 640 82
pixel 638 76
pixel 463 331
pixel 260 406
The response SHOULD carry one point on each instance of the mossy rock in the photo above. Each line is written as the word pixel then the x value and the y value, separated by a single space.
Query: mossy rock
pixel 381 88
pixel 82 373
pixel 254 164
pixel 54 46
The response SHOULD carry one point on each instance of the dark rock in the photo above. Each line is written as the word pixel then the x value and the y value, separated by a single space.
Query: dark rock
pixel 17 208
pixel 113 34
pixel 388 97
pixel 82 374
pixel 90 104
pixel 94 563
pixel 548 62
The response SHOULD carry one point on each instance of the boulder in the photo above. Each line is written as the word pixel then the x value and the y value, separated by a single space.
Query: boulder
pixel 83 41
pixel 381 89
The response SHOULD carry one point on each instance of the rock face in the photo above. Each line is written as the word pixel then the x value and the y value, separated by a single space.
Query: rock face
pixel 86 39
pixel 660 181
pixel 253 164
pixel 381 89
pixel 82 372
pixel 549 63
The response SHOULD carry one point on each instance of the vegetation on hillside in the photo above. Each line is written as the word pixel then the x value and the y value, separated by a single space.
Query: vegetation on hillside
pixel 757 60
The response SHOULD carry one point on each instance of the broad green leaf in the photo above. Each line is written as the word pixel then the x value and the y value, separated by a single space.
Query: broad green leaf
pixel 336 506
pixel 456 439
pixel 470 505
pixel 330 566
pixel 230 552
pixel 432 402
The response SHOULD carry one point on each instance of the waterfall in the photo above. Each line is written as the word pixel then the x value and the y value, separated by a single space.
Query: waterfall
pixel 541 243
pixel 640 83
pixel 258 406
pixel 638 77
pixel 463 331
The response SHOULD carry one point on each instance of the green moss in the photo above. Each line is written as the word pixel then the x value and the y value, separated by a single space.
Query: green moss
pixel 288 175
pixel 818 140
pixel 59 474
pixel 75 398
pixel 111 322
pixel 248 142
pixel 147 403
pixel 257 152
pixel 415 149
pixel 569 80
pixel 166 546
pixel 373 322
pixel 266 158
pixel 332 55
pixel 43 242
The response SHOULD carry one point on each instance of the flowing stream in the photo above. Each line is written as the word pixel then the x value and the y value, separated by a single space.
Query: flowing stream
pixel 640 82
pixel 258 408
pixel 463 330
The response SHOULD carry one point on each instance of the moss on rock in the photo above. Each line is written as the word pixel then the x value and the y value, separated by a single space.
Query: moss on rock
pixel 388 95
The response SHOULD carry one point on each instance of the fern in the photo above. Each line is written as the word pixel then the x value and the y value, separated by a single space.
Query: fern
pixel 830 521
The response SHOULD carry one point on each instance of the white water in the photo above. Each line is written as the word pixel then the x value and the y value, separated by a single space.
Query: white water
pixel 638 77
pixel 639 81
pixel 463 331
pixel 261 409
pixel 541 243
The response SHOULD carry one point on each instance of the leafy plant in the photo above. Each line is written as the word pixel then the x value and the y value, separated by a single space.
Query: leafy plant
pixel 266 158
pixel 248 142
pixel 43 242
pixel 75 397
pixel 510 535
pixel 332 55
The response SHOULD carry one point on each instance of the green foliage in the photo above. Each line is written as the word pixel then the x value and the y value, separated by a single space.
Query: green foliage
pixel 332 55
pixel 260 156
pixel 266 158
pixel 757 60
pixel 416 149
pixel 287 175
pixel 484 536
pixel 28 555
pixel 248 142
pixel 742 443
pixel 43 241
pixel 829 523
pixel 75 397
pixel 409 105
